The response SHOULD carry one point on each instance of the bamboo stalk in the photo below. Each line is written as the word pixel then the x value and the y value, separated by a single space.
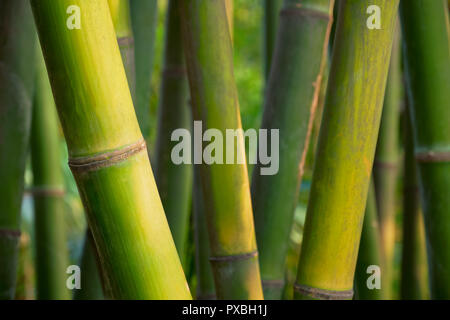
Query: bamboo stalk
pixel 385 168
pixel 413 281
pixel 174 181
pixel 346 150
pixel 225 187
pixel 270 26
pixel 427 63
pixel 120 14
pixel 107 153
pixel 52 257
pixel 17 52
pixel 144 16
pixel 290 104
pixel 369 253
pixel 91 285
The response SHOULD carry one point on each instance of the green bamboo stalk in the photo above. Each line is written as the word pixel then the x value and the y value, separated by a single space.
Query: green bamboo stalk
pixel 369 253
pixel 291 100
pixel 425 26
pixel 413 281
pixel 25 271
pixel 270 26
pixel 91 285
pixel 120 14
pixel 385 169
pixel 17 52
pixel 107 153
pixel 52 257
pixel 345 152
pixel 229 5
pixel 174 181
pixel 144 15
pixel 205 281
pixel 226 189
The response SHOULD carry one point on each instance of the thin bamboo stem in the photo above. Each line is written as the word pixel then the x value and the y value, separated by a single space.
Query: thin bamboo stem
pixel 17 53
pixel 174 181
pixel 226 189
pixel 52 257
pixel 291 99
pixel 345 152
pixel 107 153
pixel 426 48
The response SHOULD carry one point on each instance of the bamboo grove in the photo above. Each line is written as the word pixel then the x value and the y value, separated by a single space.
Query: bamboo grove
pixel 224 149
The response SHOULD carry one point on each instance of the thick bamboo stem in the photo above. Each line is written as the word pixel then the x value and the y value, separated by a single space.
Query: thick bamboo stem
pixel 174 181
pixel 291 99
pixel 426 47
pixel 52 257
pixel 107 153
pixel 226 189
pixel 17 53
pixel 270 26
pixel 345 152
pixel 144 16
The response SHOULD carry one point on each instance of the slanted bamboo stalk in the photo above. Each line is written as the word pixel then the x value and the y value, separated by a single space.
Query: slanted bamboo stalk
pixel 345 151
pixel 120 14
pixel 225 187
pixel 52 257
pixel 291 99
pixel 174 181
pixel 107 153
pixel 144 16
pixel 369 253
pixel 413 282
pixel 426 44
pixel 17 53
pixel 386 164
pixel 91 285
pixel 270 26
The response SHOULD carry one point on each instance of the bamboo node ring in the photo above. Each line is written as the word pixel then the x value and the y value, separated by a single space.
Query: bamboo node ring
pixel 303 12
pixel 107 159
pixel 9 233
pixel 433 156
pixel 235 257
pixel 46 191
pixel 323 294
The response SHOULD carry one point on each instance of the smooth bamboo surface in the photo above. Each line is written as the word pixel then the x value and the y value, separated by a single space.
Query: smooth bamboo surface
pixel 107 153
pixel 345 152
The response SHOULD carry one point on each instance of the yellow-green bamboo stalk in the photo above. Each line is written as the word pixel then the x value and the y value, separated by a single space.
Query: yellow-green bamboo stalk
pixel 209 60
pixel 17 42
pixel 345 152
pixel 107 153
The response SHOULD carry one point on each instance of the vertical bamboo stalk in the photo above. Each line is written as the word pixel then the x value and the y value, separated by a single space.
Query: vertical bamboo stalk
pixel 144 16
pixel 413 281
pixel 426 44
pixel 369 251
pixel 52 257
pixel 386 164
pixel 226 189
pixel 91 285
pixel 174 181
pixel 107 153
pixel 345 152
pixel 120 14
pixel 17 52
pixel 270 26
pixel 290 103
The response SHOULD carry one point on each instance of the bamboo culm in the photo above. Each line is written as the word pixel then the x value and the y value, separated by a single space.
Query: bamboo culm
pixel 426 49
pixel 17 55
pixel 345 152
pixel 291 99
pixel 107 153
pixel 226 189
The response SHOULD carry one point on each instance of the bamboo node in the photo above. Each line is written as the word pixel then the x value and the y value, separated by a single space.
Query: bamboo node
pixel 433 156
pixel 125 41
pixel 107 159
pixel 174 72
pixel 304 12
pixel 9 233
pixel 323 294
pixel 46 191
pixel 235 257
pixel 274 283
